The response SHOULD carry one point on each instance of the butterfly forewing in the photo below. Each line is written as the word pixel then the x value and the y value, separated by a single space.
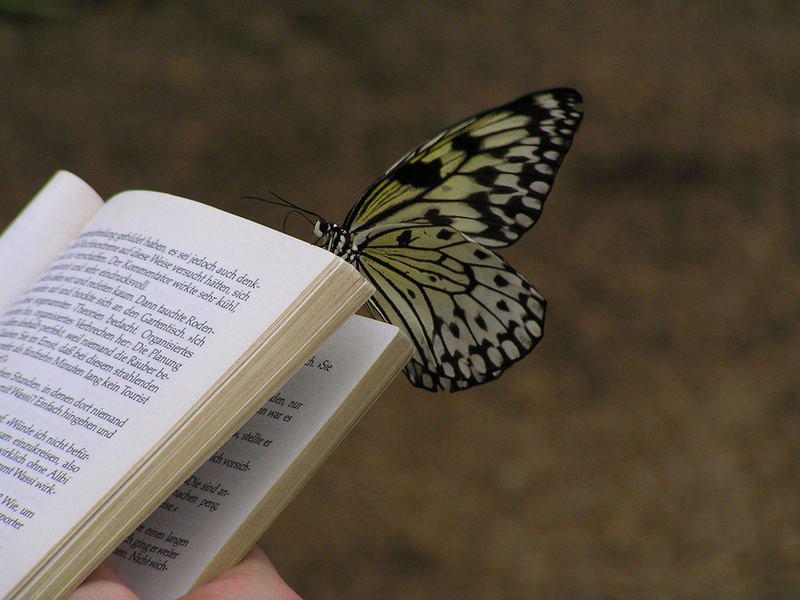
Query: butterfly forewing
pixel 487 176
pixel 469 313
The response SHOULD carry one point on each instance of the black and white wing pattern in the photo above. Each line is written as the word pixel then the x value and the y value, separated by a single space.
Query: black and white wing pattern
pixel 424 235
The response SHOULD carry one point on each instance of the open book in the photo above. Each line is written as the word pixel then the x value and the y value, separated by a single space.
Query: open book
pixel 137 337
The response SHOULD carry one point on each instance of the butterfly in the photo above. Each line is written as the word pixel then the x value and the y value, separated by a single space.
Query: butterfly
pixel 425 233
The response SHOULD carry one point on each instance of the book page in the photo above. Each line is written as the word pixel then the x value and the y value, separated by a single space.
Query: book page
pixel 44 228
pixel 115 343
pixel 166 554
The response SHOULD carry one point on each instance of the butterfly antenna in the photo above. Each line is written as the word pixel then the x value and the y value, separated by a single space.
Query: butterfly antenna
pixel 297 211
pixel 283 202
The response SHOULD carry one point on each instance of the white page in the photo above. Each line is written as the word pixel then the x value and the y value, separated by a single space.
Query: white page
pixel 167 553
pixel 55 215
pixel 65 442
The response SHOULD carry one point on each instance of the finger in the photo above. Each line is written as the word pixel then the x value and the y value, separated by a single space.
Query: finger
pixel 103 584
pixel 255 578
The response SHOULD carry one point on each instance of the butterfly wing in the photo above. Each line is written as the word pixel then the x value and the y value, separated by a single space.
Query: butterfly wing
pixel 487 176
pixel 468 312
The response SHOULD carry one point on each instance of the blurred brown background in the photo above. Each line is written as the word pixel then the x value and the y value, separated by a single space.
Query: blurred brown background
pixel 650 446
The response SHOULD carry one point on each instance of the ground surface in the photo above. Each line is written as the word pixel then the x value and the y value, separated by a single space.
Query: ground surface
pixel 650 447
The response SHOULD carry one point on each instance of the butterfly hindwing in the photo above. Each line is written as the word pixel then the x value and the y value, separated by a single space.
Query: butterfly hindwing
pixel 468 312
pixel 487 176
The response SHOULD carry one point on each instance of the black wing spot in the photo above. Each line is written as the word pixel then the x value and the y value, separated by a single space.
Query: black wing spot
pixel 434 216
pixel 404 239
pixel 455 330
pixel 501 305
pixel 419 174
pixel 469 144
pixel 444 234
pixel 500 281
pixel 481 254
pixel 480 322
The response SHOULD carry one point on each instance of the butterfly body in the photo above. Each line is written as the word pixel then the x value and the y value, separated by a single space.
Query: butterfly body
pixel 424 235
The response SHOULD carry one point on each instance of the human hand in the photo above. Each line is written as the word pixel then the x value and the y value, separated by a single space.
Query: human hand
pixel 255 578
